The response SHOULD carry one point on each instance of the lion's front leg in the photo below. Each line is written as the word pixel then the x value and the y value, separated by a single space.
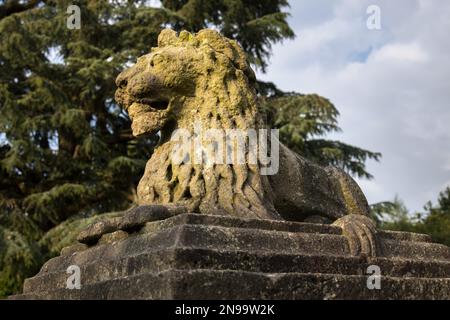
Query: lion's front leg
pixel 132 220
pixel 357 226
pixel 139 216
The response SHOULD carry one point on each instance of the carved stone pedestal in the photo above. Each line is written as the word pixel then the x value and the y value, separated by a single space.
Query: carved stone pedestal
pixel 192 256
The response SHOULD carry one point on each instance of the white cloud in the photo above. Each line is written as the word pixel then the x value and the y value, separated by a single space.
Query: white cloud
pixel 411 52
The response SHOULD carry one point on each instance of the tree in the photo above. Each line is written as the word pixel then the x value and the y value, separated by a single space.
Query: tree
pixel 66 148
pixel 392 215
pixel 434 221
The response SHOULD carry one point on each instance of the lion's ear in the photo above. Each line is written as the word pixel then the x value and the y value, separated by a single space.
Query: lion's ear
pixel 167 37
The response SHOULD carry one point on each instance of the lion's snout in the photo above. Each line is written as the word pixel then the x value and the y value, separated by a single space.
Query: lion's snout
pixel 143 95
pixel 143 87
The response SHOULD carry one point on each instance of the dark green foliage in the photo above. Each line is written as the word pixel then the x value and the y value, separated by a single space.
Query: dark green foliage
pixel 437 225
pixel 444 201
pixel 18 259
pixel 63 128
pixel 436 220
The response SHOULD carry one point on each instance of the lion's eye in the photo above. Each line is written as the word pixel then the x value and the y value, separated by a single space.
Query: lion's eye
pixel 156 59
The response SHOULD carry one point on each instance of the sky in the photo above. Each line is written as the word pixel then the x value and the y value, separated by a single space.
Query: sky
pixel 391 86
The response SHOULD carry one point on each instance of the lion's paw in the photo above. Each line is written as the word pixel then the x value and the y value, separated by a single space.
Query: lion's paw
pixel 361 233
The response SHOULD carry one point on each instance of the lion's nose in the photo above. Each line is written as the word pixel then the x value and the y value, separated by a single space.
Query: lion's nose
pixel 122 80
pixel 145 84
pixel 124 77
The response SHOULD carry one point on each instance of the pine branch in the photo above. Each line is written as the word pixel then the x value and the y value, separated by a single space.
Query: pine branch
pixel 11 7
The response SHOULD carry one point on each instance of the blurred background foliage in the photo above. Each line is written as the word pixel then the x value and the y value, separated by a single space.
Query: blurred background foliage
pixel 67 155
pixel 434 220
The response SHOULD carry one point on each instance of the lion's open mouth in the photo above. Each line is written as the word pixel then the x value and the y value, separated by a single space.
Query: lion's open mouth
pixel 142 106
pixel 155 104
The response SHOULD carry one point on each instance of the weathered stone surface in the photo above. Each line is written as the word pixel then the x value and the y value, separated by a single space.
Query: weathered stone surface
pixel 228 284
pixel 195 256
pixel 113 237
pixel 246 223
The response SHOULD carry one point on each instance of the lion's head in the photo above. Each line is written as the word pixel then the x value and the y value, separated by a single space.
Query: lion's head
pixel 154 89
pixel 188 80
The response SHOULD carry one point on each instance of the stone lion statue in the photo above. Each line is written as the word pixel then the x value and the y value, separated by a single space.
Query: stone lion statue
pixel 205 79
